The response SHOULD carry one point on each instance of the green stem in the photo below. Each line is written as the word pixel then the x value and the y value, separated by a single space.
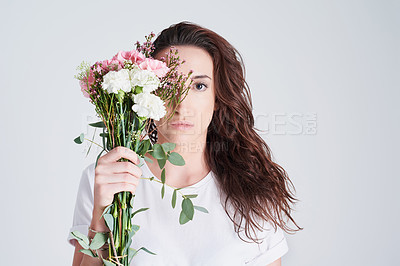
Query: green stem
pixel 122 122
pixel 94 143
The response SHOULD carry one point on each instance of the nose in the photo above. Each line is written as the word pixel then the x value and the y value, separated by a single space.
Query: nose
pixel 185 108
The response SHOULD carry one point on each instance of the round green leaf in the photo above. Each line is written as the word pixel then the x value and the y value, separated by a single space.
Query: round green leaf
pixel 98 241
pixel 182 218
pixel 79 139
pixel 109 219
pixel 135 227
pixel 144 146
pixel 158 152
pixel 88 252
pixel 167 146
pixel 176 159
pixel 82 239
pixel 161 162
pixel 187 208
pixel 108 263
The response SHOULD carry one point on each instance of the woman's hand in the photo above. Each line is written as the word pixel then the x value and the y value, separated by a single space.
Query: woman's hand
pixel 112 177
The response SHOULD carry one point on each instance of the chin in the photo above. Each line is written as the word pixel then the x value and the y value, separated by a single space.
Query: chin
pixel 182 139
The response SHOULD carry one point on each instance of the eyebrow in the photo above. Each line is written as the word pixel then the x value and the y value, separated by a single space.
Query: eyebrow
pixel 201 77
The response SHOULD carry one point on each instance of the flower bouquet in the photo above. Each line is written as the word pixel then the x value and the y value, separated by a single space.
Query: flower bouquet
pixel 128 91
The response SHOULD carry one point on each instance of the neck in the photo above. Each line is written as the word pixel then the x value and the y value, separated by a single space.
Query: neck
pixel 193 171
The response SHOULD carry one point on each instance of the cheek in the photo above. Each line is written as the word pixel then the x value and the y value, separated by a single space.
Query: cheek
pixel 207 114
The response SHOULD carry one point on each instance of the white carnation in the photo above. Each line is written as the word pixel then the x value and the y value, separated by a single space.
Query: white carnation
pixel 114 81
pixel 144 78
pixel 148 105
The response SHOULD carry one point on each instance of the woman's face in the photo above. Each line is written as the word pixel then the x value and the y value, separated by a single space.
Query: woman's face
pixel 198 106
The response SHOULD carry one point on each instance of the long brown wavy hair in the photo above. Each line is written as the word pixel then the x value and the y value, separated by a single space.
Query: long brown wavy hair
pixel 257 188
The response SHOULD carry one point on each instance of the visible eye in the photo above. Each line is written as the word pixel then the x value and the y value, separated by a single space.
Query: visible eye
pixel 200 86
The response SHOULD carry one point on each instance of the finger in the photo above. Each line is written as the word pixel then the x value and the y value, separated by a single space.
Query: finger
pixel 119 187
pixel 121 152
pixel 123 178
pixel 118 167
pixel 126 167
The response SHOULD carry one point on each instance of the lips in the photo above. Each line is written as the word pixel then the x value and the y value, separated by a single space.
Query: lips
pixel 182 125
pixel 182 122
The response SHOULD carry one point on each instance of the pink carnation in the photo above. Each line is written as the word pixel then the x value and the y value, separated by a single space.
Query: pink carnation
pixel 135 56
pixel 157 67
pixel 85 82
pixel 111 63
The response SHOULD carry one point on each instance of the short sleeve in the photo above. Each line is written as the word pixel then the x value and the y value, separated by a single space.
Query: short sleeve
pixel 273 247
pixel 84 204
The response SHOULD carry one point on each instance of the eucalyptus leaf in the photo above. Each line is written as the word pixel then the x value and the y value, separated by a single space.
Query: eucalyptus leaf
pixel 158 152
pixel 176 159
pixel 103 134
pixel 161 162
pixel 108 263
pixel 98 241
pixel 191 196
pixel 202 209
pixel 173 199
pixel 106 210
pixel 148 251
pixel 187 208
pixel 82 239
pixel 167 146
pixel 127 245
pixel 140 210
pixel 131 253
pixel 183 218
pixel 144 147
pixel 135 227
pixel 79 139
pixel 162 191
pixel 163 176
pixel 79 235
pixel 132 233
pixel 88 252
pixel 99 124
pixel 109 219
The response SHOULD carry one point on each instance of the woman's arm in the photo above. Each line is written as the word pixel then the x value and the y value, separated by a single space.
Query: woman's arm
pixel 79 258
pixel 276 263
pixel 111 176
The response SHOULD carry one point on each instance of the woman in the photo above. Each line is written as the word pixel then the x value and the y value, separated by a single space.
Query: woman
pixel 228 165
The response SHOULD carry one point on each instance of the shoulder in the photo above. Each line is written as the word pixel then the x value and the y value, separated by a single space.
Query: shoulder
pixel 272 246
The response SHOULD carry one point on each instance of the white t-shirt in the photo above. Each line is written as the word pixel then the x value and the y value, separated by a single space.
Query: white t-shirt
pixel 208 239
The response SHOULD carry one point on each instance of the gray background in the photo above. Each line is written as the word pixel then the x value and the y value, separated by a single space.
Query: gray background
pixel 324 77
